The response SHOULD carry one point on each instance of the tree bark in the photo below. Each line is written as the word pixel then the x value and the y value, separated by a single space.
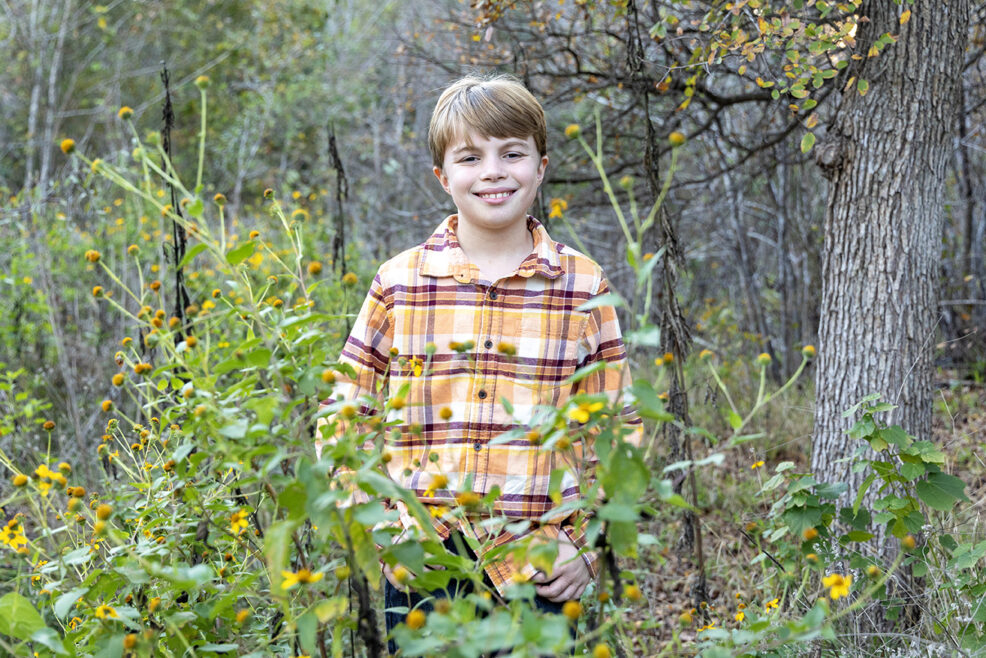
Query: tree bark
pixel 883 224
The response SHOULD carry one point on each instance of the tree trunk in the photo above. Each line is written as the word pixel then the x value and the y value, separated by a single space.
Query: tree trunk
pixel 883 224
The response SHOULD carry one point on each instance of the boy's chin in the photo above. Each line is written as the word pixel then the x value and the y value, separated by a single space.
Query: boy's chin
pixel 492 223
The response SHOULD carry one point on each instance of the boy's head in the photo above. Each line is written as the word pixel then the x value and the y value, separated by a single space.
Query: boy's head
pixel 496 106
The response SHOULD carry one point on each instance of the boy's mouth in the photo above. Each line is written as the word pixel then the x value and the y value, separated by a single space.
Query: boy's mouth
pixel 493 196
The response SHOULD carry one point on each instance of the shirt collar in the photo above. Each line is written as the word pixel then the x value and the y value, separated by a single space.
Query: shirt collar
pixel 443 256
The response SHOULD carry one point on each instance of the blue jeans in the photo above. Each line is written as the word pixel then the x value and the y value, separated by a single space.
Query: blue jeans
pixel 395 598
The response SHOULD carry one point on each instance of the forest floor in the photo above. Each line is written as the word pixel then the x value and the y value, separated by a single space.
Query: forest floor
pixel 732 510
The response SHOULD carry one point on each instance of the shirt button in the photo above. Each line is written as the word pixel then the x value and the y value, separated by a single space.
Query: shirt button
pixel 488 344
pixel 478 447
pixel 482 395
pixel 492 294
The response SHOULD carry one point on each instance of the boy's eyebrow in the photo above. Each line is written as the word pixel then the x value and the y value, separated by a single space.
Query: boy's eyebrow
pixel 513 143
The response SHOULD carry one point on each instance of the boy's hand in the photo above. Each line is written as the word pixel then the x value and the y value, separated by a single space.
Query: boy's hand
pixel 570 576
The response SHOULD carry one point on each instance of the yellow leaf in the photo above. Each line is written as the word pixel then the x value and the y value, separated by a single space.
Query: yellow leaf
pixel 906 16
pixel 812 121
pixel 874 51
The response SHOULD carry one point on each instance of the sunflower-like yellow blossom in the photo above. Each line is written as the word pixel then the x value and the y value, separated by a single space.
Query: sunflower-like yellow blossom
pixel 301 577
pixel 582 412
pixel 572 610
pixel 416 619
pixel 105 612
pixel 67 146
pixel 238 521
pixel 350 279
pixel 572 130
pixel 838 585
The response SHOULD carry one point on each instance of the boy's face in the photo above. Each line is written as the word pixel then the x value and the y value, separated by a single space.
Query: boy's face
pixel 492 180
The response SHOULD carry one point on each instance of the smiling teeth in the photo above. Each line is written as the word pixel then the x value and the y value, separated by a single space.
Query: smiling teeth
pixel 496 195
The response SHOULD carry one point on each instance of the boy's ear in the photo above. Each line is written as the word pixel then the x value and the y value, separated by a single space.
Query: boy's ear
pixel 440 175
pixel 542 168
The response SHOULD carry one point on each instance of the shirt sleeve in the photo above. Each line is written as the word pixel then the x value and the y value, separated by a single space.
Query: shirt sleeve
pixel 367 352
pixel 602 341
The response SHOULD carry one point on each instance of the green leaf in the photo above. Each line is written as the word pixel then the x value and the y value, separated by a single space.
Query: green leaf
pixel 607 299
pixel 277 548
pixel 735 421
pixel 800 519
pixel 941 491
pixel 50 639
pixel 240 253
pixel 863 428
pixel 646 336
pixel 911 472
pixel 862 491
pixel 195 208
pixel 64 603
pixel 648 404
pixel 862 86
pixel 192 253
pixel 18 617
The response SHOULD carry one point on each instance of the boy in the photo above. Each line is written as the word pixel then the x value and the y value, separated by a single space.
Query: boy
pixel 484 310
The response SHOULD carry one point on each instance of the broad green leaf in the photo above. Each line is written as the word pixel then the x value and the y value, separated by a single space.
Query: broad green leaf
pixel 18 617
pixel 195 208
pixel 64 603
pixel 648 404
pixel 240 253
pixel 192 253
pixel 50 639
pixel 941 491
pixel 330 609
pixel 277 548
pixel 734 420
pixel 800 519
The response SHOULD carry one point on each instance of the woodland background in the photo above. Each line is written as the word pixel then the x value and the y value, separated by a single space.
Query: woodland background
pixel 326 103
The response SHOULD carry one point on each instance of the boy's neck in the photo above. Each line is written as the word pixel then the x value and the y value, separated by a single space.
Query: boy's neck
pixel 497 253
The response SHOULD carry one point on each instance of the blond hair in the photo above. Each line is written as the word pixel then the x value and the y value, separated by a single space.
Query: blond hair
pixel 496 106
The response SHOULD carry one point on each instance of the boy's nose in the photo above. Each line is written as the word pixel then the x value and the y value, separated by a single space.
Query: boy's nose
pixel 493 170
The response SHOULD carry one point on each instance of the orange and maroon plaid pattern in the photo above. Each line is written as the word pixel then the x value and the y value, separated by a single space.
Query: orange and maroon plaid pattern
pixel 424 307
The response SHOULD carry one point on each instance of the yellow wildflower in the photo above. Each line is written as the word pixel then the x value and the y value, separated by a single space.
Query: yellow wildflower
pixel 416 619
pixel 756 465
pixel 572 130
pixel 238 522
pixel 302 577
pixel 583 411
pixel 838 585
pixel 771 604
pixel 104 611
pixel 67 146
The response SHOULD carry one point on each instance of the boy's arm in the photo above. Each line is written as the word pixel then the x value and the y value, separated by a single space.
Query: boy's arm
pixel 367 352
pixel 603 341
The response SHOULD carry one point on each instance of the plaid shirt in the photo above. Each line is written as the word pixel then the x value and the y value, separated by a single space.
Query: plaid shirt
pixel 528 337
